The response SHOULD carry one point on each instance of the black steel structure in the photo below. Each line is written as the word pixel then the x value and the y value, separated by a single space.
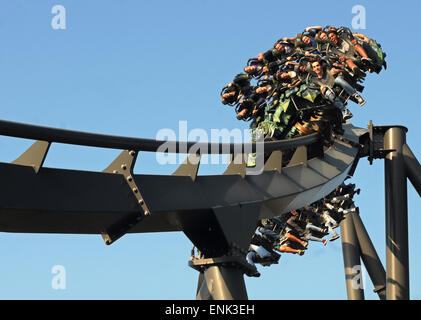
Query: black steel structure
pixel 218 213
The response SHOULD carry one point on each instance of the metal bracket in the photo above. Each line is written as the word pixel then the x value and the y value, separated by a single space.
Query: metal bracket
pixel 34 156
pixel 299 157
pixel 189 167
pixel 224 261
pixel 124 165
pixel 379 289
pixel 376 142
pixel 274 163
pixel 237 165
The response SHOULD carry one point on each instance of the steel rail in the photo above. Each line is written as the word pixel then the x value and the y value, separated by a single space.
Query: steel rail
pixel 49 134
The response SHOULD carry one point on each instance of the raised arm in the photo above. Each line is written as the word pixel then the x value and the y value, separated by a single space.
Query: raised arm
pixel 289 39
pixel 318 28
pixel 361 36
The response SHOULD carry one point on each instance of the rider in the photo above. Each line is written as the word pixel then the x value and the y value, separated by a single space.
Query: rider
pixel 346 46
pixel 326 79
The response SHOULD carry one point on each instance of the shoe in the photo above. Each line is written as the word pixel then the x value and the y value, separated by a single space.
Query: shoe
pixel 305 244
pixel 324 242
pixel 257 275
pixel 367 62
pixel 360 99
pixel 301 252
pixel 334 238
pixel 359 73
pixel 347 115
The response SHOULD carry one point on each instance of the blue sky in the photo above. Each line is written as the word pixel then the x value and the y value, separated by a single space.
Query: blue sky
pixel 132 68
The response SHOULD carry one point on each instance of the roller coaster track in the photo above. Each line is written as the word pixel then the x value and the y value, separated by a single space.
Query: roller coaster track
pixel 71 201
pixel 218 213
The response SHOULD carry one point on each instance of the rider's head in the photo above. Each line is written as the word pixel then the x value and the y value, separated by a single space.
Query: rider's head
pixel 278 46
pixel 321 35
pixel 333 37
pixel 306 39
pixel 316 66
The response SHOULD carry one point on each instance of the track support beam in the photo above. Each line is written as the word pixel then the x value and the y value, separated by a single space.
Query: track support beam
pixel 397 260
pixel 352 264
pixel 370 258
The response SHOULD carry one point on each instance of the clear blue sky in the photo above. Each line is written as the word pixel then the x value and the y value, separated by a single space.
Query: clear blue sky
pixel 131 68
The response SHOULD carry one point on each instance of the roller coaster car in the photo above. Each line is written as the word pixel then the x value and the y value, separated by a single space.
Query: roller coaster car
pixel 325 119
pixel 229 95
pixel 323 116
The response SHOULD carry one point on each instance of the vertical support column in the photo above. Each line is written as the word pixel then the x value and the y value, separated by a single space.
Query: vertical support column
pixel 223 237
pixel 397 261
pixel 370 258
pixel 352 264
pixel 222 283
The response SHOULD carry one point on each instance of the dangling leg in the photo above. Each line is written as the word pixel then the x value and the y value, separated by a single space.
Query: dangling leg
pixel 332 232
pixel 285 248
pixel 312 227
pixel 332 221
pixel 251 256
pixel 340 81
pixel 294 238
pixel 313 238
pixel 262 252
